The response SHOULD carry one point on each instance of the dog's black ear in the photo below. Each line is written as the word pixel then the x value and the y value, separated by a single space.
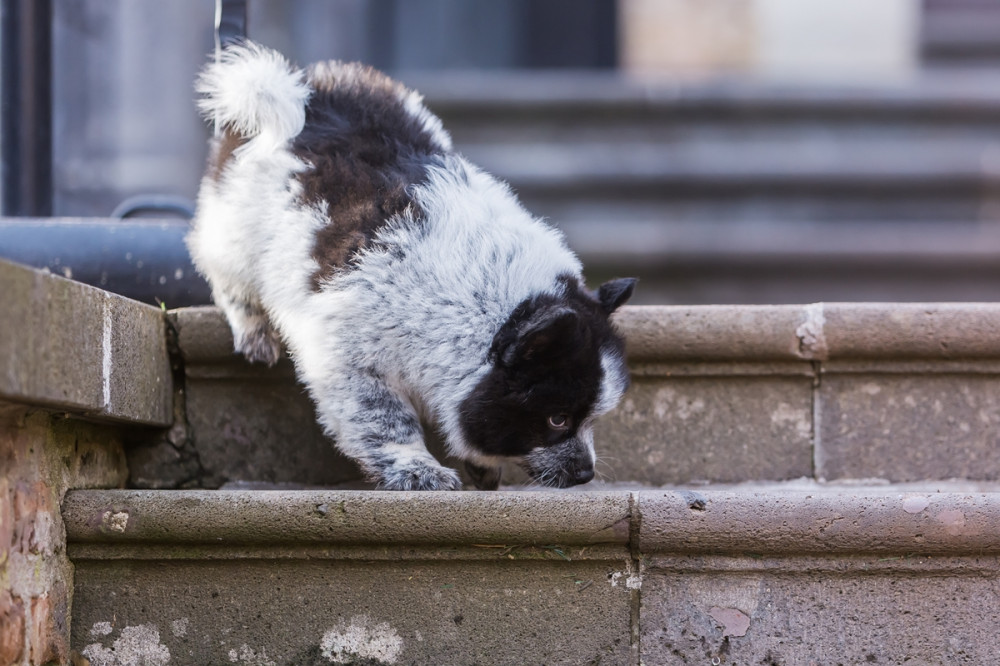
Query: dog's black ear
pixel 545 329
pixel 613 294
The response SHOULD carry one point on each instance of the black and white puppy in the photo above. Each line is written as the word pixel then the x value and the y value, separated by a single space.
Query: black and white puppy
pixel 406 283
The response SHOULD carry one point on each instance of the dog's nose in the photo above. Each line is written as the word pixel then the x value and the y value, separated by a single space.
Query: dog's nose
pixel 583 475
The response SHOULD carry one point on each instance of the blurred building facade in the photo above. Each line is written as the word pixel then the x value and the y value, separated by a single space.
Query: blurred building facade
pixel 724 150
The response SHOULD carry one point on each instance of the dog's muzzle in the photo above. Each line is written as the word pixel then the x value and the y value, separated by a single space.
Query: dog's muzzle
pixel 568 464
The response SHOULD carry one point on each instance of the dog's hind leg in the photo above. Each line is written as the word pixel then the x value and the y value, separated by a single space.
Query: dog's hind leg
pixel 381 431
pixel 253 335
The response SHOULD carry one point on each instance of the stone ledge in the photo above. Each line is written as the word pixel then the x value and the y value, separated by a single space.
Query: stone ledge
pixel 886 332
pixel 900 392
pixel 66 346
pixel 809 524
pixel 817 332
pixel 723 577
pixel 678 522
pixel 347 517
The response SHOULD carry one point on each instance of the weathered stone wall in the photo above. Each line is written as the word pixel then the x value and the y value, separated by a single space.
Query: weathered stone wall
pixel 720 394
pixel 80 370
pixel 649 577
pixel 43 455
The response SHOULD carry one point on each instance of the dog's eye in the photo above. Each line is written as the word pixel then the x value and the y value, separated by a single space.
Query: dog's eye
pixel 559 422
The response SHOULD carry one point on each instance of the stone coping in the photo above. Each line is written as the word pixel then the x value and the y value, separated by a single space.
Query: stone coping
pixel 709 522
pixel 67 346
pixel 347 517
pixel 742 333
pixel 816 332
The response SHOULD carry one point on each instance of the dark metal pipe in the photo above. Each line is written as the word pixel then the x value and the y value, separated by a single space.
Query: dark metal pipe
pixel 230 22
pixel 143 259
pixel 26 107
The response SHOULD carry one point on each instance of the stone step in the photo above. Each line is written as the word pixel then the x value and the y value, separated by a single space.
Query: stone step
pixel 616 577
pixel 720 394
pixel 793 262
pixel 618 149
pixel 733 190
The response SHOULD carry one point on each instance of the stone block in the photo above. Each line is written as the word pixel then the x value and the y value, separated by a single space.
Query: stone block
pixel 671 428
pixel 818 577
pixel 351 577
pixel 384 612
pixel 908 426
pixel 851 610
pixel 899 331
pixel 71 347
pixel 833 522
pixel 720 394
pixel 651 577
pixel 244 422
pixel 712 333
pixel 261 430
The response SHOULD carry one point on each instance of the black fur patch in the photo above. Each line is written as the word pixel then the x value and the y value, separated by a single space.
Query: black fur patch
pixel 365 150
pixel 484 478
pixel 546 361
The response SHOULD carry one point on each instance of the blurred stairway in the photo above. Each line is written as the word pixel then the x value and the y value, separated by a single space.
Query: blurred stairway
pixel 961 33
pixel 737 191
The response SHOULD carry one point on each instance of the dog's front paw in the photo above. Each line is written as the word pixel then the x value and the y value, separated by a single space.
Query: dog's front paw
pixel 419 476
pixel 259 345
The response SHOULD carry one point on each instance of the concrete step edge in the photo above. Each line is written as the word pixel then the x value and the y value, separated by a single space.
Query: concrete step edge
pixel 678 521
pixel 71 347
pixel 751 333
pixel 346 516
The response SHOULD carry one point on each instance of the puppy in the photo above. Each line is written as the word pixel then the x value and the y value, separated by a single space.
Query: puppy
pixel 407 284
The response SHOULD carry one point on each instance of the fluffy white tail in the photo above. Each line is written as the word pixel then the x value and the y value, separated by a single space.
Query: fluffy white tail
pixel 255 92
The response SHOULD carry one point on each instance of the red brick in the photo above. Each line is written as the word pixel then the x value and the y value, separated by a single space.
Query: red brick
pixel 11 629
pixel 30 499
pixel 47 644
pixel 6 522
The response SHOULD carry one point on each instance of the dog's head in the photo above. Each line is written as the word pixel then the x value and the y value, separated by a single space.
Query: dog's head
pixel 556 364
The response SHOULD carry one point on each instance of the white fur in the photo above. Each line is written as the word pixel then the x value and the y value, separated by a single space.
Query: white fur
pixel 400 335
pixel 413 102
pixel 478 241
pixel 256 93
pixel 613 382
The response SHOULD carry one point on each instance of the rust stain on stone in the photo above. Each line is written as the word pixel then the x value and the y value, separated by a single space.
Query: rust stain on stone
pixel 734 622
pixel 953 521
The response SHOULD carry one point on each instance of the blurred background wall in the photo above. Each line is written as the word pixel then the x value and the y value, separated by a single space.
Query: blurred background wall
pixel 723 150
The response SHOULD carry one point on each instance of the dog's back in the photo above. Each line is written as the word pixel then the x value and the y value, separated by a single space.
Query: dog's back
pixel 335 216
